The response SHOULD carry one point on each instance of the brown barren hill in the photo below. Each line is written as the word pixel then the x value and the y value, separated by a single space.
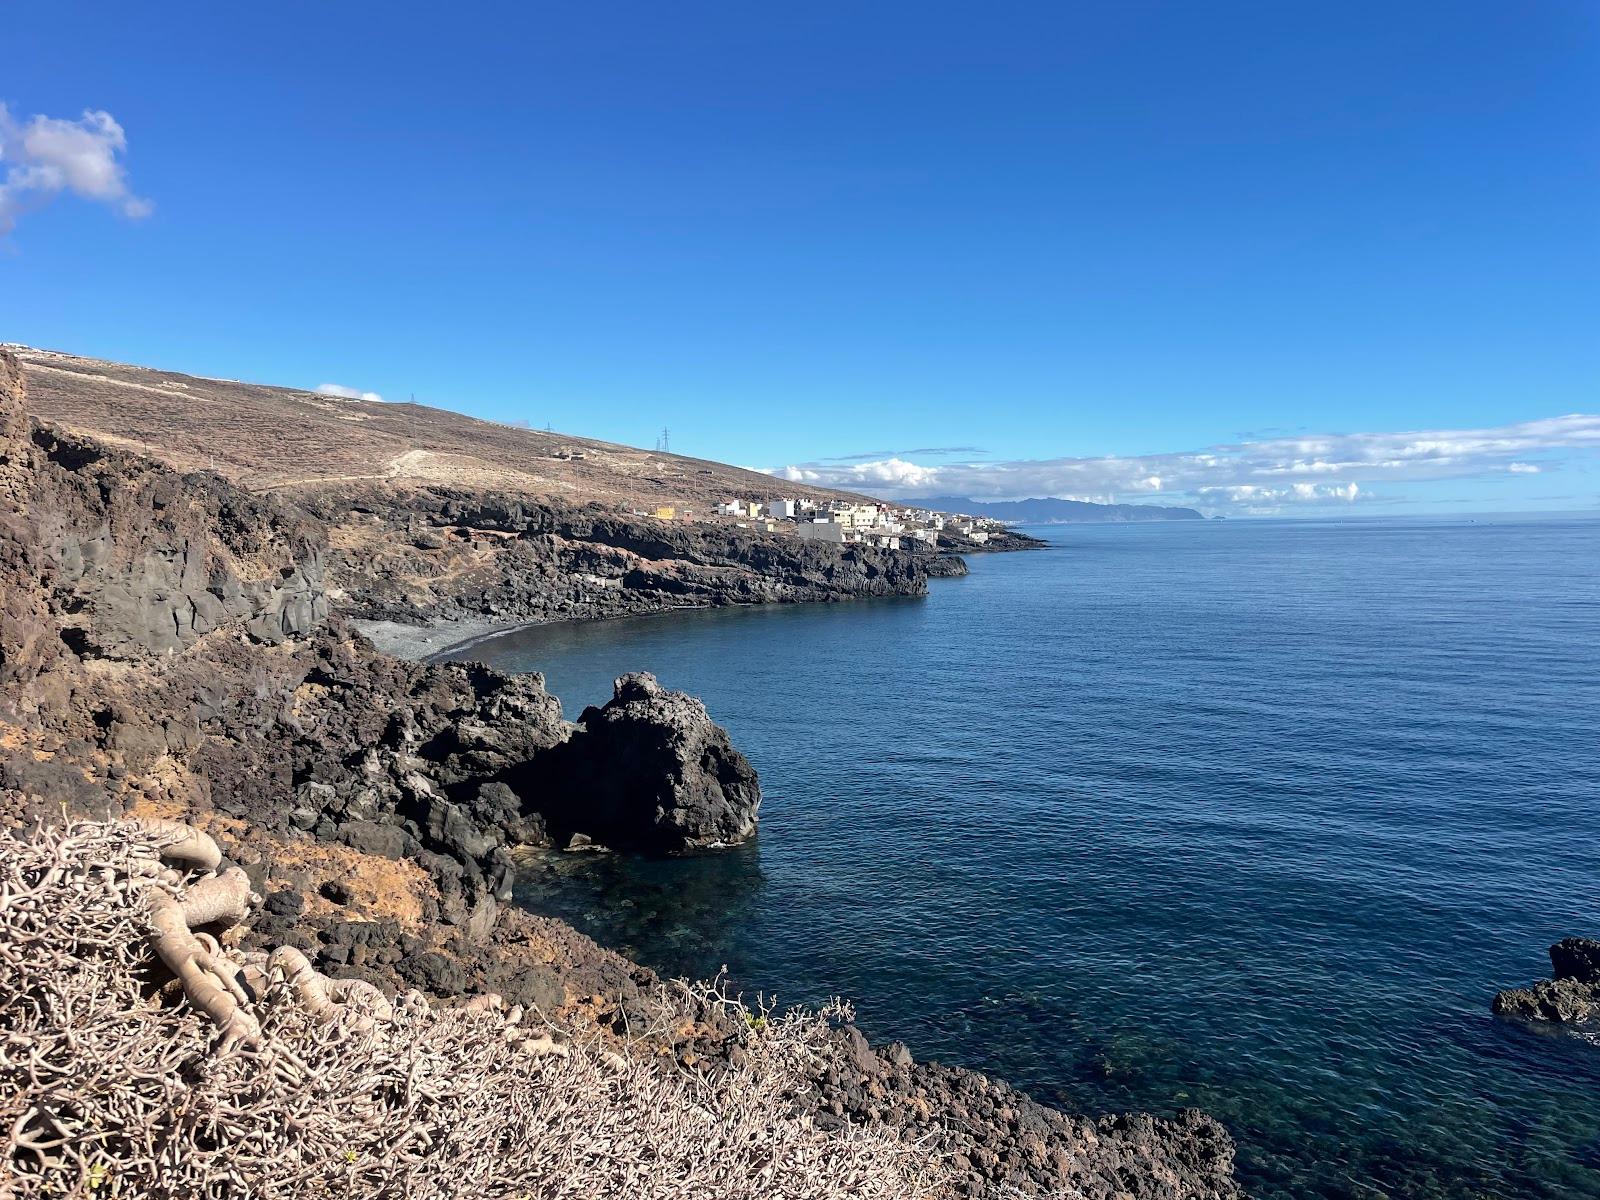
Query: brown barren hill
pixel 287 439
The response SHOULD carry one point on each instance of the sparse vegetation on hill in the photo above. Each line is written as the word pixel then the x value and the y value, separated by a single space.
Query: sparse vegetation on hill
pixel 287 440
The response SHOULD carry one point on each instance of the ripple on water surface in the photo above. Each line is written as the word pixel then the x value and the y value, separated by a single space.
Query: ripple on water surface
pixel 1250 816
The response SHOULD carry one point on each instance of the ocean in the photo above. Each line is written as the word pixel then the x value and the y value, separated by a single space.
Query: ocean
pixel 1254 816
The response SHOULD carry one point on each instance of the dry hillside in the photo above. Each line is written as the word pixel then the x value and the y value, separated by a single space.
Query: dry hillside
pixel 273 438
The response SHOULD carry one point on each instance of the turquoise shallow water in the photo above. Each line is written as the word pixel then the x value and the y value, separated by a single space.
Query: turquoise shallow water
pixel 1250 816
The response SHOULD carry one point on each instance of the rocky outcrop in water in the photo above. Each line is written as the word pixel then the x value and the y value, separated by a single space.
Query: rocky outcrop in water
pixel 1570 997
pixel 650 771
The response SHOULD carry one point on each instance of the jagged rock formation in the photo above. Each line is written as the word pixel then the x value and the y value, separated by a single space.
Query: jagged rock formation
pixel 652 772
pixel 1570 997
pixel 953 543
pixel 125 557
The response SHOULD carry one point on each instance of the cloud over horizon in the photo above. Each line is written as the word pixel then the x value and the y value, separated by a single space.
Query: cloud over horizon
pixel 1254 475
pixel 44 157
pixel 346 393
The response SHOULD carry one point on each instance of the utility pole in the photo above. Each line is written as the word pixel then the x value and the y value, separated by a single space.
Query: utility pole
pixel 664 442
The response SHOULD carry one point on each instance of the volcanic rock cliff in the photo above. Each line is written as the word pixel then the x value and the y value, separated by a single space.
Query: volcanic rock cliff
pixel 455 562
pixel 171 646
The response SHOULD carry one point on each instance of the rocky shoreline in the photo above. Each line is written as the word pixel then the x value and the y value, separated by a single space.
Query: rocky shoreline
pixel 175 647
pixel 443 556
pixel 446 638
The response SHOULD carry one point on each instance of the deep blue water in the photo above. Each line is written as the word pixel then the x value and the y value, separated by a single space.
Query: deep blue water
pixel 1250 816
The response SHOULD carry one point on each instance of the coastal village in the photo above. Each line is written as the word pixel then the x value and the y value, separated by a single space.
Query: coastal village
pixel 880 525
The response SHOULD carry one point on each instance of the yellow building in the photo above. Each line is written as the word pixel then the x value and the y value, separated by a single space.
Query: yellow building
pixel 666 512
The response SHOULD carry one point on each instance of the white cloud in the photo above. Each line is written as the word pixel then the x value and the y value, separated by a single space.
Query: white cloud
pixel 891 473
pixel 1260 497
pixel 43 157
pixel 1319 469
pixel 346 393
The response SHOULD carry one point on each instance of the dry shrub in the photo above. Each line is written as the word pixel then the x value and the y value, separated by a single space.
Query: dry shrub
pixel 112 1084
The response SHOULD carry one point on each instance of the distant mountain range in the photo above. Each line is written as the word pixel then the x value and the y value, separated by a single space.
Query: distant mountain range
pixel 1050 511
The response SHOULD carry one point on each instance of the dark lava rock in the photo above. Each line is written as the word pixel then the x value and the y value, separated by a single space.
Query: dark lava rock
pixel 649 771
pixel 897 1054
pixel 1577 959
pixel 433 972
pixel 335 891
pixel 286 902
pixel 1571 997
pixel 372 838
pixel 946 566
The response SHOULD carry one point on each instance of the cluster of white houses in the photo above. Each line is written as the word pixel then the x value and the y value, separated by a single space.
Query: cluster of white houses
pixel 867 524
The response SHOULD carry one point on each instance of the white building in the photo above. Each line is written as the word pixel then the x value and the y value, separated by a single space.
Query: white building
pixel 783 508
pixel 856 516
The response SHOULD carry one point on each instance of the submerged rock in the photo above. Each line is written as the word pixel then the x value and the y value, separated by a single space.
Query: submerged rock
pixel 649 771
pixel 1570 997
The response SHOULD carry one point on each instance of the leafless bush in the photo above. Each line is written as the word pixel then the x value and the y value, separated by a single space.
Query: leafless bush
pixel 140 1057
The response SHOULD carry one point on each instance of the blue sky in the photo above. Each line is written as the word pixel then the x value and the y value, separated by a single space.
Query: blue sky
pixel 1000 248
